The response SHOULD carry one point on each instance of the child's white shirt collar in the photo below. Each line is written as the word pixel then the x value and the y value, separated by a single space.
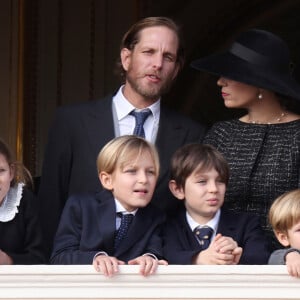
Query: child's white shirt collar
pixel 9 206
pixel 213 223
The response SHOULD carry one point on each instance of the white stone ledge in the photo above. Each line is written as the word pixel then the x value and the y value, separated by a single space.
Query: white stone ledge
pixel 170 282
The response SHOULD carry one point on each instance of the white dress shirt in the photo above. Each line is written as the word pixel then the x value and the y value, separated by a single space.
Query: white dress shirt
pixel 125 123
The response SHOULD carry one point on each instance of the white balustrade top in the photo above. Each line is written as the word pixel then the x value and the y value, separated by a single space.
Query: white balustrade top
pixel 169 282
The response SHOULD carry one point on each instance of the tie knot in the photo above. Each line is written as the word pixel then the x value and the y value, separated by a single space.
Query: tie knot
pixel 203 233
pixel 125 218
pixel 140 117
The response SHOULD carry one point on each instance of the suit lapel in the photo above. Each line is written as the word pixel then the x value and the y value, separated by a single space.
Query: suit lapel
pixel 141 222
pixel 170 136
pixel 106 222
pixel 187 236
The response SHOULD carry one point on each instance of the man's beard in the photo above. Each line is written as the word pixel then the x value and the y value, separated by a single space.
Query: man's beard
pixel 148 92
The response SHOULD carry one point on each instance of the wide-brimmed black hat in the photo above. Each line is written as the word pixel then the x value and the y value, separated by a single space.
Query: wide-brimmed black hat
pixel 257 57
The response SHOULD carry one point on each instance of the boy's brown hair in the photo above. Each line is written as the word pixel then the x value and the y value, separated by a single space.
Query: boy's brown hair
pixel 196 158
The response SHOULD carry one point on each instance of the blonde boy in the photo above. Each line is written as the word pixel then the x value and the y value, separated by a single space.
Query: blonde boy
pixel 284 217
pixel 117 225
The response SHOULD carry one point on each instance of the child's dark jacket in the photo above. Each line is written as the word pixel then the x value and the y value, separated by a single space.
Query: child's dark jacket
pixel 88 225
pixel 180 244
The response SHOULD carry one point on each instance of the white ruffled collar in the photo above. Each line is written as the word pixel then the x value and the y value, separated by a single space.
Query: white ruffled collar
pixel 9 207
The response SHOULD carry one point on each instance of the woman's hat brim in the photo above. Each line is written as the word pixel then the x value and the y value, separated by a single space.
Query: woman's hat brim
pixel 230 66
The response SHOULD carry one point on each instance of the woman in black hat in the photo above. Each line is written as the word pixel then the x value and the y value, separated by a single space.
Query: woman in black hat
pixel 263 146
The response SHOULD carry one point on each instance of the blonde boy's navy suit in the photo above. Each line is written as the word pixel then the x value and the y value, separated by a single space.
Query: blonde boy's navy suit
pixel 88 225
pixel 180 244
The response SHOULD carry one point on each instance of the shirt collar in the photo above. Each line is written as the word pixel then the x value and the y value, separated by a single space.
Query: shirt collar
pixel 120 208
pixel 9 207
pixel 124 107
pixel 213 223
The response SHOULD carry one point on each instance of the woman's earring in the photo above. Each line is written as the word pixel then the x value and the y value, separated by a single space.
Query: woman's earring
pixel 260 96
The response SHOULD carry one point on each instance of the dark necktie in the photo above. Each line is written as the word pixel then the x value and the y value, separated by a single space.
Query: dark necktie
pixel 126 220
pixel 140 118
pixel 203 235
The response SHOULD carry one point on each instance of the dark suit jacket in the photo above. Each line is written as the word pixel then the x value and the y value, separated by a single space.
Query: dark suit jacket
pixel 77 135
pixel 88 225
pixel 180 244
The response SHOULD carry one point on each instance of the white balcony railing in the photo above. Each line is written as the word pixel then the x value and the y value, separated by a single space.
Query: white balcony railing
pixel 170 282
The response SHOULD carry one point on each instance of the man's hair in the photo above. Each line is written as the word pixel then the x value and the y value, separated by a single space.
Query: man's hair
pixel 285 211
pixel 121 150
pixel 197 158
pixel 132 37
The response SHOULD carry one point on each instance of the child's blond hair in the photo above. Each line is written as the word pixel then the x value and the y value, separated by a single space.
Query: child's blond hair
pixel 116 153
pixel 285 211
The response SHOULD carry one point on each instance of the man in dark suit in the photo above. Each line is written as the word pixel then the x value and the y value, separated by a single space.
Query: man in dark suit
pixel 202 232
pixel 151 56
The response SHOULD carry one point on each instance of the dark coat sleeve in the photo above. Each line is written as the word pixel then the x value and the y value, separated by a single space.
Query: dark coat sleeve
pixel 67 248
pixel 179 243
pixel 175 252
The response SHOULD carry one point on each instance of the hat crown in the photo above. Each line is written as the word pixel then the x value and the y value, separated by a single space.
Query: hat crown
pixel 258 58
pixel 273 50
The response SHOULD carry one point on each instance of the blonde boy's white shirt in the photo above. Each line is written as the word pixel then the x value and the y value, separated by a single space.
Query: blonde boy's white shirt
pixel 125 123
pixel 120 209
pixel 213 223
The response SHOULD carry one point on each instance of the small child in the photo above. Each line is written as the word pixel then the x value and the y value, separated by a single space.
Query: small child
pixel 202 232
pixel 284 217
pixel 93 227
pixel 21 237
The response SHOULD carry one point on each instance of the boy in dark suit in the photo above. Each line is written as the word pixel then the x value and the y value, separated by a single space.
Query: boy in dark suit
pixel 117 225
pixel 199 175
